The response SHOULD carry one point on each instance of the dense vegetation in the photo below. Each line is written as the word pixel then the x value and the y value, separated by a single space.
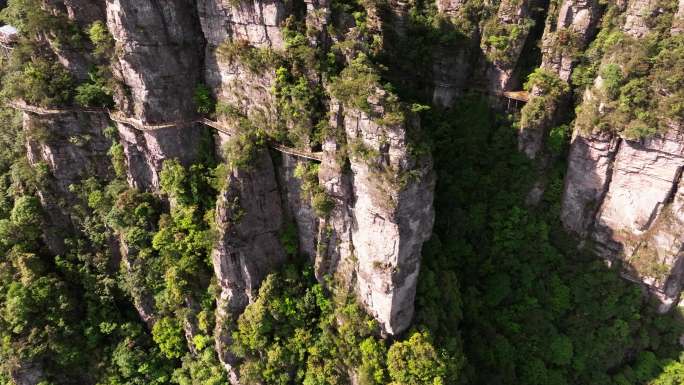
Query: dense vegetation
pixel 549 315
pixel 503 296
pixel 639 94
pixel 34 74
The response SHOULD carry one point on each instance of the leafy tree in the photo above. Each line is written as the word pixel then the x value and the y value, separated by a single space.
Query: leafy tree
pixel 204 101
pixel 94 93
pixel 612 79
pixel 39 82
pixel 26 212
pixel 102 39
pixel 415 361
pixel 168 334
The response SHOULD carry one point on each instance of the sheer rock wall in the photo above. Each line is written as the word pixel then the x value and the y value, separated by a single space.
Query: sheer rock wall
pixel 622 194
pixel 383 212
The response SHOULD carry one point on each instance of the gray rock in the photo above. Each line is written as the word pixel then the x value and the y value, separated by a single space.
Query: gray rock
pixel 451 70
pixel 74 148
pixel 257 22
pixel 249 221
pixel 380 221
pixel 298 206
pixel 146 151
pixel 450 7
pixel 637 15
pixel 678 20
pixel 27 373
pixel 499 73
pixel 624 196
pixel 76 58
pixel 576 20
pixel 317 18
pixel 159 61
pixel 590 165
pixel 159 57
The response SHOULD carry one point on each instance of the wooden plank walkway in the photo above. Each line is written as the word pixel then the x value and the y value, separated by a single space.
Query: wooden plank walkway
pixel 522 96
pixel 119 117
pixel 21 105
pixel 215 125
pixel 317 156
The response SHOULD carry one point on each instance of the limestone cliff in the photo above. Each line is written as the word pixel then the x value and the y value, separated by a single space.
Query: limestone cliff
pixel 503 39
pixel 159 54
pixel 569 29
pixel 367 216
pixel 374 182
pixel 621 190
pixel 382 215
pixel 623 195
pixel 249 218
pixel 304 102
pixel 73 147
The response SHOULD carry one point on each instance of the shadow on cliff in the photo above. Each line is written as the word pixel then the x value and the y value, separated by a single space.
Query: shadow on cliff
pixel 504 285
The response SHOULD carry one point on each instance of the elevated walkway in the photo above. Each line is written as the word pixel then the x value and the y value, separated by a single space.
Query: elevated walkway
pixel 481 88
pixel 521 96
pixel 119 117
pixel 21 105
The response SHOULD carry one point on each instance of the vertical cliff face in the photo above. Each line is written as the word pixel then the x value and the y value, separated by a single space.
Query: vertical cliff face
pixel 678 20
pixel 373 237
pixel 390 229
pixel 622 191
pixel 249 219
pixel 569 29
pixel 258 22
pixel 575 25
pixel 590 165
pixel 503 39
pixel 249 214
pixel 158 63
pixel 72 55
pixel 341 240
pixel 166 38
pixel 623 195
pixel 72 147
pixel 297 205
pixel 364 207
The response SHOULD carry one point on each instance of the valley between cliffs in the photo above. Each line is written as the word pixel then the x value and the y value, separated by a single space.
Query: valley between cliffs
pixel 342 192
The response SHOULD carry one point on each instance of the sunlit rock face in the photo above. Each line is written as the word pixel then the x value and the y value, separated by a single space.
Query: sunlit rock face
pixel 374 234
pixel 249 219
pixel 622 196
pixel 382 210
pixel 381 219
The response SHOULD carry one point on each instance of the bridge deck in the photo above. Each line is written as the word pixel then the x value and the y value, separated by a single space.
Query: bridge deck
pixel 522 96
pixel 119 117
pixel 20 105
